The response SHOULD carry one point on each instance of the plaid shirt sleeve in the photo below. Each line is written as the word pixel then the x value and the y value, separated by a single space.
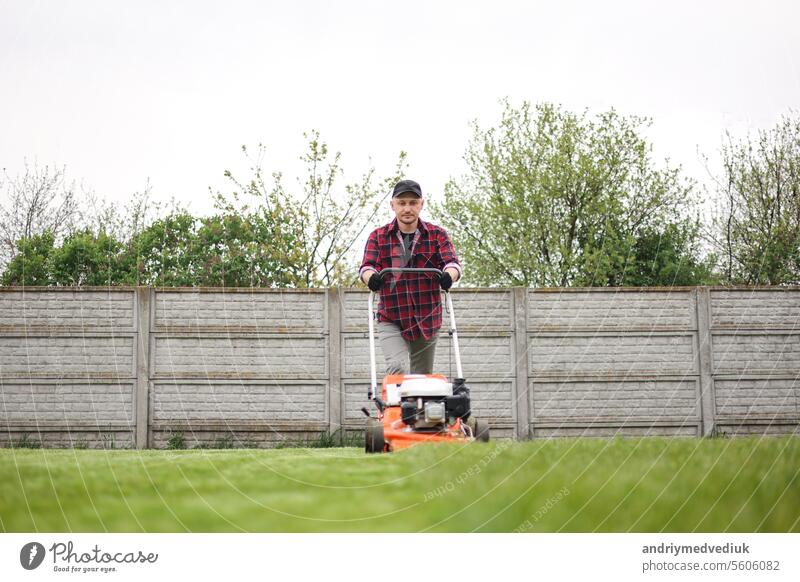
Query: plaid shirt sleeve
pixel 372 259
pixel 447 252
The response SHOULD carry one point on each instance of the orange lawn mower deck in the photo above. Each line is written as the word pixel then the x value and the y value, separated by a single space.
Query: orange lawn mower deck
pixel 416 409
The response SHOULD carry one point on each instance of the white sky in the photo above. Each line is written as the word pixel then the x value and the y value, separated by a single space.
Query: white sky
pixel 122 92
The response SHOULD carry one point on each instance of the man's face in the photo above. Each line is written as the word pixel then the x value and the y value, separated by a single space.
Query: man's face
pixel 407 207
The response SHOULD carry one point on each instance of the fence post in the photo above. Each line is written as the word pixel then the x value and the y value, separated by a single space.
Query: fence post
pixel 142 400
pixel 707 399
pixel 522 399
pixel 335 395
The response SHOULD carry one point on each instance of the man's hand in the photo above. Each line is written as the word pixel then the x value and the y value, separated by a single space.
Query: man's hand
pixel 447 278
pixel 375 282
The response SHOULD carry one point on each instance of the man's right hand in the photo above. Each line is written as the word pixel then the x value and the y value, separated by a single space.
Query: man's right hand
pixel 375 282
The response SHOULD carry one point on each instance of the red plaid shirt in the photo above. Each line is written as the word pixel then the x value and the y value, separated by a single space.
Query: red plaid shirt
pixel 412 301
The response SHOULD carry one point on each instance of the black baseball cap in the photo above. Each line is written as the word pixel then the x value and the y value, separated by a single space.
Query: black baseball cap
pixel 404 186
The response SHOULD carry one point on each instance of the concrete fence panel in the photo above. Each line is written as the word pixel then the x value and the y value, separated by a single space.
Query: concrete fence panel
pixel 245 366
pixel 613 362
pixel 755 339
pixel 68 366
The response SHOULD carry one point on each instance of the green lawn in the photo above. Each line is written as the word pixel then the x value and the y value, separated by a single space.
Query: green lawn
pixel 645 485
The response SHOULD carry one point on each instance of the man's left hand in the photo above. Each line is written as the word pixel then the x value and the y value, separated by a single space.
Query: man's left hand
pixel 446 280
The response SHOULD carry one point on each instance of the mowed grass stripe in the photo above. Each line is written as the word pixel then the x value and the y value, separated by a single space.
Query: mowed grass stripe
pixel 649 484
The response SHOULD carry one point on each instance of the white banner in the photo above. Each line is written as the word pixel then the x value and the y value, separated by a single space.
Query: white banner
pixel 355 557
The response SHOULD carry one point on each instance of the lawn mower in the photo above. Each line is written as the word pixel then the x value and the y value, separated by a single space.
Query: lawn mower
pixel 419 408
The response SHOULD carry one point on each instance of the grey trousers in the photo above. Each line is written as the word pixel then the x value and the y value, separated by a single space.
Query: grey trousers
pixel 397 351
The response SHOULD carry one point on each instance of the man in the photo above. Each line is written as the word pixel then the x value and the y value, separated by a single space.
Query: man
pixel 410 310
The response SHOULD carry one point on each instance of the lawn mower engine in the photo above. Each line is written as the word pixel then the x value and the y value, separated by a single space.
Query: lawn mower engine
pixel 430 403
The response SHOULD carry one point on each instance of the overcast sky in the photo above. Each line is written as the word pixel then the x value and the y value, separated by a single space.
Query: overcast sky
pixel 120 92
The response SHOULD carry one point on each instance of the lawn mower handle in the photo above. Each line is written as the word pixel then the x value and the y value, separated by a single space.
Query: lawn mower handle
pixel 373 390
pixel 410 270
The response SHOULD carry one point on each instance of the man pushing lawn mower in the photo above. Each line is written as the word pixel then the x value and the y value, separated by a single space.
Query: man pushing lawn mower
pixel 410 262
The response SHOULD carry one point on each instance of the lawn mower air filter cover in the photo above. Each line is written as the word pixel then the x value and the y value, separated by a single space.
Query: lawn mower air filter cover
pixel 434 412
